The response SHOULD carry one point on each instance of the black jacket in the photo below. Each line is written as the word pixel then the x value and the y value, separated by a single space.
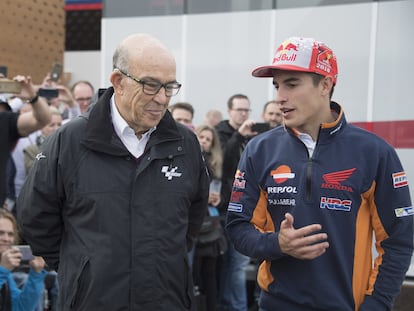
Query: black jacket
pixel 232 145
pixel 118 229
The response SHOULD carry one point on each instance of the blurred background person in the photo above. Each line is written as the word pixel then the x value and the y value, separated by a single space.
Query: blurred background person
pixel 213 117
pixel 211 240
pixel 31 151
pixel 183 113
pixel 82 92
pixel 234 134
pixel 12 298
pixel 64 102
pixel 59 96
pixel 14 125
pixel 272 114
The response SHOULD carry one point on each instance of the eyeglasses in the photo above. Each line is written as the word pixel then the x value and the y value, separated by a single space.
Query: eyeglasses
pixel 153 87
pixel 242 110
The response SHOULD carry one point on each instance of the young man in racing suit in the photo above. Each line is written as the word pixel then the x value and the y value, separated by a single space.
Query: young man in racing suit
pixel 309 198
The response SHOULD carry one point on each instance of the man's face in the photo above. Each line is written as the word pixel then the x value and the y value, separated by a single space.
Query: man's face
pixel 140 110
pixel 6 234
pixel 83 95
pixel 299 100
pixel 273 115
pixel 239 112
pixel 183 116
pixel 54 124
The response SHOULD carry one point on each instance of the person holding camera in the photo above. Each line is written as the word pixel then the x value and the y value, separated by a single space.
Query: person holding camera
pixel 11 297
pixel 14 125
pixel 271 114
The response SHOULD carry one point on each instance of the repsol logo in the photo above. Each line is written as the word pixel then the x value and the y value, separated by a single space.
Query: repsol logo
pixel 285 189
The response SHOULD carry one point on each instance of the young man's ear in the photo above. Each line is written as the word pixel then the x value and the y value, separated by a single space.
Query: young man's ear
pixel 327 85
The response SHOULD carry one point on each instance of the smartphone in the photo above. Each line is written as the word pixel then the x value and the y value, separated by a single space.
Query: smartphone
pixel 56 72
pixel 260 127
pixel 10 86
pixel 3 71
pixel 26 251
pixel 48 92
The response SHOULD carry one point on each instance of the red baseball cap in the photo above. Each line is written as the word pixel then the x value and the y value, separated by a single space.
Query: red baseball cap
pixel 302 54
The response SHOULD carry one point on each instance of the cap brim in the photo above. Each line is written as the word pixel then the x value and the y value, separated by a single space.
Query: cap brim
pixel 263 72
pixel 267 71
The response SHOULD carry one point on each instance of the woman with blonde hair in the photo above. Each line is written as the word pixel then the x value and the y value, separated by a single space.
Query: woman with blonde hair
pixel 11 297
pixel 211 241
pixel 210 146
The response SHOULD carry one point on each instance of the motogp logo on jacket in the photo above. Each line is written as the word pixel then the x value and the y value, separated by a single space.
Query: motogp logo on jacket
pixel 170 172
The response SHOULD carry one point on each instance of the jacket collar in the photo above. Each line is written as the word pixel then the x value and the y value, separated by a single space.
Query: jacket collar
pixel 100 135
pixel 329 130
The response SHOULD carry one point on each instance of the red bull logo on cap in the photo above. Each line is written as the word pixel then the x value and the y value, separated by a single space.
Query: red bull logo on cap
pixel 301 54
pixel 286 52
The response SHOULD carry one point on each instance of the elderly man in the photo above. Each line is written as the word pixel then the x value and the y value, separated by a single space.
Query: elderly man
pixel 121 192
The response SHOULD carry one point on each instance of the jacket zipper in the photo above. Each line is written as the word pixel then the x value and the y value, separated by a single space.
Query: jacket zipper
pixel 309 164
pixel 309 179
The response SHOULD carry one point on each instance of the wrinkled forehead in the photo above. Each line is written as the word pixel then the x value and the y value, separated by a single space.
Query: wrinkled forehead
pixel 154 61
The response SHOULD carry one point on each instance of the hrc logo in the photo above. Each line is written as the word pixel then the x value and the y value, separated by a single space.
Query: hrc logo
pixel 336 204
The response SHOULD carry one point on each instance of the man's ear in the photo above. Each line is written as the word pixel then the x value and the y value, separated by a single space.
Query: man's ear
pixel 116 80
pixel 327 85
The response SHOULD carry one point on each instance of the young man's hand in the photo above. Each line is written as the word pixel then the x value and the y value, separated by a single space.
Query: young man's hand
pixel 302 243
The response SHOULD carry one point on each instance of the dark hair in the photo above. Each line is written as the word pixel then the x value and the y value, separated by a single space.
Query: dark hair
pixel 267 104
pixel 182 105
pixel 230 100
pixel 316 78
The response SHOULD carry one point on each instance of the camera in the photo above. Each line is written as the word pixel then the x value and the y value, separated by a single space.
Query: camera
pixel 9 86
pixel 48 92
pixel 26 251
pixel 3 71
pixel 260 127
pixel 56 72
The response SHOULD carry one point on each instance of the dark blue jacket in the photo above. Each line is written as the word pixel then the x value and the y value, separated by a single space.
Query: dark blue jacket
pixel 354 186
